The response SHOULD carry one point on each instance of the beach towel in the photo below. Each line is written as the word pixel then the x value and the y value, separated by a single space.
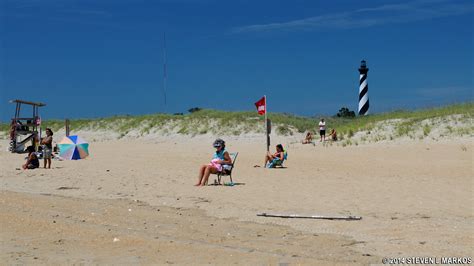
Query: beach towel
pixel 214 163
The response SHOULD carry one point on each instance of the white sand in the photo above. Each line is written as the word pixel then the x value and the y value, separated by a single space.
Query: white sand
pixel 416 198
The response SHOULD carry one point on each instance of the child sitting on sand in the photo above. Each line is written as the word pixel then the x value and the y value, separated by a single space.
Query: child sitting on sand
pixel 309 138
pixel 333 135
pixel 32 161
pixel 220 157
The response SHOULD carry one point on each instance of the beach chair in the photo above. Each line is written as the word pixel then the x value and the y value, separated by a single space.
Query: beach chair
pixel 277 162
pixel 227 168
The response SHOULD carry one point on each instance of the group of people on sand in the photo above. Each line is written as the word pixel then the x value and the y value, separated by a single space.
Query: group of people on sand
pixel 322 133
pixel 221 157
pixel 32 160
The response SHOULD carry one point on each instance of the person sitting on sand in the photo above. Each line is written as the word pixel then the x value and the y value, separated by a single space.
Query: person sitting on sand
pixel 333 135
pixel 220 157
pixel 309 138
pixel 279 154
pixel 48 147
pixel 32 161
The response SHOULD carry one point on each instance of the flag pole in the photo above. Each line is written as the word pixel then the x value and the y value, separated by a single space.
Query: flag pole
pixel 266 123
pixel 165 74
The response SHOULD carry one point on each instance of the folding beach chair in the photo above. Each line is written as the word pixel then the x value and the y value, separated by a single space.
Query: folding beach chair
pixel 277 162
pixel 227 168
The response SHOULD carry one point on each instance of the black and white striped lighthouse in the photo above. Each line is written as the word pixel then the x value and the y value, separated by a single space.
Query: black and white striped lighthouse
pixel 363 89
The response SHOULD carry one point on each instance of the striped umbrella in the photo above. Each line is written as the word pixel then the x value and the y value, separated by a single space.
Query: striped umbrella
pixel 73 148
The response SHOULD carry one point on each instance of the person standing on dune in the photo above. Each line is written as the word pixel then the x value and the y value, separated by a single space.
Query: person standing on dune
pixel 322 130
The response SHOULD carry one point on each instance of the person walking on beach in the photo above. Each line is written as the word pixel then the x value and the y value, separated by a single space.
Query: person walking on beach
pixel 322 130
pixel 47 143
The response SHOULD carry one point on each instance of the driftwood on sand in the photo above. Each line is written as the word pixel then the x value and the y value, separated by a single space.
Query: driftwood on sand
pixel 325 217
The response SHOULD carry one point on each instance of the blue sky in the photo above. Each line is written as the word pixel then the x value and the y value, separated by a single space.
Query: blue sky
pixel 95 58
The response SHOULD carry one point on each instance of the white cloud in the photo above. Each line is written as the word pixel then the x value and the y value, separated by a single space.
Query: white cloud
pixel 366 17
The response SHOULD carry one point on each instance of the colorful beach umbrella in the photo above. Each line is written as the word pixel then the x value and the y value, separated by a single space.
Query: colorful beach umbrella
pixel 73 148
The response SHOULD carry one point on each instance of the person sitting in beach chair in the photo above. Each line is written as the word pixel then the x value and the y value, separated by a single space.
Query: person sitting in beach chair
pixel 276 159
pixel 227 170
pixel 220 158
pixel 333 135
pixel 309 138
pixel 32 161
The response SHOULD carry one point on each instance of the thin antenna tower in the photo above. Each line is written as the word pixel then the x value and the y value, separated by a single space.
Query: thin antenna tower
pixel 164 68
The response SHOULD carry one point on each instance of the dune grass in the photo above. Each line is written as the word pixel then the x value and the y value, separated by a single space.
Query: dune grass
pixel 236 123
pixel 409 119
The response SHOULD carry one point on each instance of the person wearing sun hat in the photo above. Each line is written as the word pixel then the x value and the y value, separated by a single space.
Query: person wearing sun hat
pixel 221 156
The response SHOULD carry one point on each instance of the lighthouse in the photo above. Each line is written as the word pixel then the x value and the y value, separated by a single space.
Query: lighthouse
pixel 363 89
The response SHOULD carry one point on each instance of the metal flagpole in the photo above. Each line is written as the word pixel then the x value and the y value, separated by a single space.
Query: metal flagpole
pixel 266 123
pixel 164 68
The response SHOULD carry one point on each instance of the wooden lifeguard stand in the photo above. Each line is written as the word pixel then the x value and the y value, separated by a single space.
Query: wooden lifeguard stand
pixel 24 129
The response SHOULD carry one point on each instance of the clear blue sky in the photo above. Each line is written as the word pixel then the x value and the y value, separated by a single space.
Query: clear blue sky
pixel 93 58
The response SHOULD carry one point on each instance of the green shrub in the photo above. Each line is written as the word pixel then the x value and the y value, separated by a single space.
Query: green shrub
pixel 284 130
pixel 404 128
pixel 350 134
pixel 426 130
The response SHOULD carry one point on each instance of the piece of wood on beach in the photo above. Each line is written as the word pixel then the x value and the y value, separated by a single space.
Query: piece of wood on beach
pixel 64 188
pixel 324 217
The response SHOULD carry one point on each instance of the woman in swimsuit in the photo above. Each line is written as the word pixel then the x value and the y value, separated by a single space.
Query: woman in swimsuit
pixel 277 155
pixel 48 147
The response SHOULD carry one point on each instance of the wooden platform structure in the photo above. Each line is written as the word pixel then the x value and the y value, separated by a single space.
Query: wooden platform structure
pixel 24 129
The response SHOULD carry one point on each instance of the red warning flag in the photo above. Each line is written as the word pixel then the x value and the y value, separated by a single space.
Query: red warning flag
pixel 261 106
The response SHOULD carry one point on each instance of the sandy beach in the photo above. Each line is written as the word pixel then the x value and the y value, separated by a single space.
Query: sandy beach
pixel 366 107
pixel 415 199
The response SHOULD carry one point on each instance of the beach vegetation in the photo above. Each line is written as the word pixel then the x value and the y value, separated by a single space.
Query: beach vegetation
pixel 350 134
pixel 345 113
pixel 207 121
pixel 450 129
pixel 284 130
pixel 194 109
pixel 426 130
